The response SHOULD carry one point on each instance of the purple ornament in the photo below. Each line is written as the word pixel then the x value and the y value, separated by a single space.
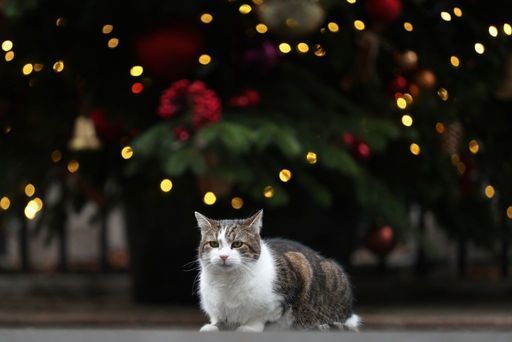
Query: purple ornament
pixel 262 58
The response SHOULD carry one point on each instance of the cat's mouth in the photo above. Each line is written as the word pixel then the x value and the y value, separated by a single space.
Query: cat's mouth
pixel 225 266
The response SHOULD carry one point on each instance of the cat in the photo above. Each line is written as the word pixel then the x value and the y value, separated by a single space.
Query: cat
pixel 247 283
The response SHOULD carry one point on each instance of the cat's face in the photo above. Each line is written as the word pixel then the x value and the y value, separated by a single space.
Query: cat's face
pixel 229 244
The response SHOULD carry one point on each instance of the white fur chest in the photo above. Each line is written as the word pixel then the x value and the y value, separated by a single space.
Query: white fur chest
pixel 242 296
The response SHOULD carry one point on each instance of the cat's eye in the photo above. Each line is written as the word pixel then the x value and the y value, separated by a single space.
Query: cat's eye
pixel 214 244
pixel 237 244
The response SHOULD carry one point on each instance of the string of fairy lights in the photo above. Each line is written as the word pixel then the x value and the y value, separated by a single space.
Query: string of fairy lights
pixel 403 100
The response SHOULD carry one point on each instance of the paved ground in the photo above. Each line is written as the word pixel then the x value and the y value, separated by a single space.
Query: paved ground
pixel 128 316
pixel 46 303
pixel 152 335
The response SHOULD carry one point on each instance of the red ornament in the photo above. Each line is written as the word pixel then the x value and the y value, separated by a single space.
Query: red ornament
pixel 247 98
pixel 137 88
pixel 363 150
pixel 358 147
pixel 398 85
pixel 384 11
pixel 106 129
pixel 170 52
pixel 181 133
pixel 349 139
pixel 193 98
pixel 380 240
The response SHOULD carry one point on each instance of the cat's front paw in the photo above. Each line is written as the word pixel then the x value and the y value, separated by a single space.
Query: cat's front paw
pixel 253 328
pixel 209 327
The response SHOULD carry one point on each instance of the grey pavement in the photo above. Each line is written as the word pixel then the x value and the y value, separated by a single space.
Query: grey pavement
pixel 160 335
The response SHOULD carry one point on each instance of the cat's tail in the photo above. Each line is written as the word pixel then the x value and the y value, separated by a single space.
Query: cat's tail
pixel 353 323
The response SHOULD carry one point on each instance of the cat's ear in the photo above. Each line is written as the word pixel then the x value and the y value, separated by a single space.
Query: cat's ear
pixel 203 222
pixel 255 221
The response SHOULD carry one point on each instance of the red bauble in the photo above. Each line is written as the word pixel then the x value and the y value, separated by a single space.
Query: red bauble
pixel 363 150
pixel 107 130
pixel 248 98
pixel 384 11
pixel 380 240
pixel 349 139
pixel 181 133
pixel 170 52
pixel 398 85
pixel 357 146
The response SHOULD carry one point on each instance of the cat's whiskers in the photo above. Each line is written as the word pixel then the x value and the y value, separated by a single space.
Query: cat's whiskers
pixel 191 266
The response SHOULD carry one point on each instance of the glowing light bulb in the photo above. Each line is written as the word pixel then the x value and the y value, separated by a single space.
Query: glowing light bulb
pixel 245 9
pixel 446 16
pixel 268 191
pixel 285 175
pixel 302 47
pixel 127 152
pixel 206 18
pixel 455 61
pixel 493 31
pixel 443 94
pixel 7 45
pixel 27 69
pixel 31 210
pixel 237 202
pixel 473 146
pixel 56 156
pixel 209 198
pixel 333 27
pixel 39 203
pixel 5 203
pixel 415 149
pixel 408 98
pixel 205 59
pixel 479 48
pixel 58 66
pixel 401 103
pixel 113 43
pixel 440 127
pixel 359 25
pixel 507 29
pixel 73 166
pixel 407 120
pixel 408 26
pixel 285 47
pixel 489 191
pixel 106 29
pixel 136 70
pixel 261 28
pixel 9 56
pixel 166 185
pixel 30 190
pixel 311 157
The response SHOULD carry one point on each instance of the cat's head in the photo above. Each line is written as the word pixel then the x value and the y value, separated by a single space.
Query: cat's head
pixel 229 244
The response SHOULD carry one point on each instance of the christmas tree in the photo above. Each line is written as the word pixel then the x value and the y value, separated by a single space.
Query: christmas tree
pixel 383 104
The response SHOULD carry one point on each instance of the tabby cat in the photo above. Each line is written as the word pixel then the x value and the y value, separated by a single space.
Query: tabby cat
pixel 246 283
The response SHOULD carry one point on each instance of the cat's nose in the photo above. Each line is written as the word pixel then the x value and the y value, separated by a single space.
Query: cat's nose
pixel 223 257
